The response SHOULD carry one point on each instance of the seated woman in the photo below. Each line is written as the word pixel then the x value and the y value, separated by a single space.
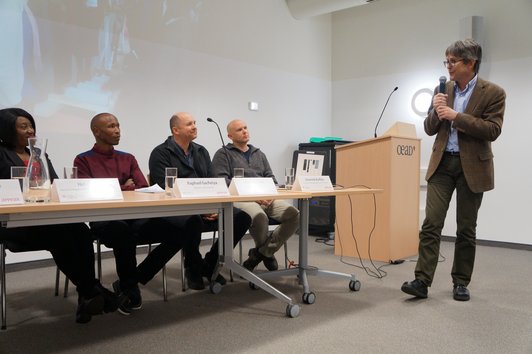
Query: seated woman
pixel 69 244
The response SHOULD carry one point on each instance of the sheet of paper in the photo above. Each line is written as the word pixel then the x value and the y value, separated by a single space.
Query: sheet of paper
pixel 151 189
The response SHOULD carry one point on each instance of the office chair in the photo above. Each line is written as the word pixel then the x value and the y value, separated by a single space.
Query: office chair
pixel 13 247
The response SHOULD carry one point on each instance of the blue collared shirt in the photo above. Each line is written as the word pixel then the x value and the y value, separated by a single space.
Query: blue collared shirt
pixel 461 99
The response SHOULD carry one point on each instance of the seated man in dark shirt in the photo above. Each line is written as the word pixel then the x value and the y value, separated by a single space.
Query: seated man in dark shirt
pixel 103 161
pixel 192 161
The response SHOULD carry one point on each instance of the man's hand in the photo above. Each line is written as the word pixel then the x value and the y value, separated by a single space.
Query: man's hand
pixel 440 99
pixel 129 183
pixel 265 203
pixel 446 113
pixel 209 217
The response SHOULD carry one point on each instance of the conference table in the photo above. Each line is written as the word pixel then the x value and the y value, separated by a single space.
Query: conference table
pixel 151 205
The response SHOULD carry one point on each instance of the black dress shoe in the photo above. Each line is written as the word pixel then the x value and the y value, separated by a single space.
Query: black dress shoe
pixel 460 293
pixel 270 263
pixel 194 279
pixel 255 257
pixel 88 307
pixel 415 288
pixel 110 298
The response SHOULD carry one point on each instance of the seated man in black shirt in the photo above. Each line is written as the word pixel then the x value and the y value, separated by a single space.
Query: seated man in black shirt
pixel 192 161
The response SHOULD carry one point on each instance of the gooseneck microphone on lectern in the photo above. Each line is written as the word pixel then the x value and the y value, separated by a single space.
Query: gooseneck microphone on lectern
pixel 376 125
pixel 443 80
pixel 229 164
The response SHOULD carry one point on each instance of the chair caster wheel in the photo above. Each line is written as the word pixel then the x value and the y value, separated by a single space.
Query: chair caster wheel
pixel 354 285
pixel 292 311
pixel 309 298
pixel 215 287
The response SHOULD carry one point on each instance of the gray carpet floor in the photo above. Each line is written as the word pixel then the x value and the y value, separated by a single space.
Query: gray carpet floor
pixel 377 319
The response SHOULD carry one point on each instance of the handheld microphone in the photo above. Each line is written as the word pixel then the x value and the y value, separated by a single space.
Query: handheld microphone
pixel 443 80
pixel 229 164
pixel 376 125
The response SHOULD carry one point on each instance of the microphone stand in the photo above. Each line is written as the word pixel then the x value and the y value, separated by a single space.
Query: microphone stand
pixel 229 164
pixel 376 125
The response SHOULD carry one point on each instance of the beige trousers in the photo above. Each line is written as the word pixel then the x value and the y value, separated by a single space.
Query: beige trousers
pixel 279 211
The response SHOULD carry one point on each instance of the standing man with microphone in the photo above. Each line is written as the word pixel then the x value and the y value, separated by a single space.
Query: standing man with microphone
pixel 467 115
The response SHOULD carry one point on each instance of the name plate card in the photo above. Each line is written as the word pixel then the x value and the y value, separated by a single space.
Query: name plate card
pixel 10 192
pixel 200 187
pixel 312 184
pixel 86 190
pixel 252 186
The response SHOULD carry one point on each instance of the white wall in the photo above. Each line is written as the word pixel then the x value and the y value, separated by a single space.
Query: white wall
pixel 402 43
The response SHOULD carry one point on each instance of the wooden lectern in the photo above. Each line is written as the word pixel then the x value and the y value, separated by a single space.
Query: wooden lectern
pixel 390 162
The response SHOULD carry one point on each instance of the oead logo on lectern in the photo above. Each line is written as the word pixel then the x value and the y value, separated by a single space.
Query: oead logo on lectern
pixel 405 150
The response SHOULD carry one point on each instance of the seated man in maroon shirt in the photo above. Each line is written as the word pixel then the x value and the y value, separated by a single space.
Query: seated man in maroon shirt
pixel 173 233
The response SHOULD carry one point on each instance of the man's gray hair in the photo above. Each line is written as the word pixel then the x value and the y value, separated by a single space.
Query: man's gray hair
pixel 467 50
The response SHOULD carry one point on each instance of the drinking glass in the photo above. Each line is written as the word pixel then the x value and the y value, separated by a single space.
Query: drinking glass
pixel 238 172
pixel 288 177
pixel 70 172
pixel 19 173
pixel 170 175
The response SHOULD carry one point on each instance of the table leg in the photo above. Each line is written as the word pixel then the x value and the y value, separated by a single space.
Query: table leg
pixel 3 280
pixel 303 269
pixel 292 310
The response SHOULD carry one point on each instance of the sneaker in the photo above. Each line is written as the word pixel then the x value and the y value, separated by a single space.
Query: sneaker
pixel 123 300
pixel 89 307
pixel 128 299
pixel 194 279
pixel 253 260
pixel 135 299
pixel 270 263
pixel 123 306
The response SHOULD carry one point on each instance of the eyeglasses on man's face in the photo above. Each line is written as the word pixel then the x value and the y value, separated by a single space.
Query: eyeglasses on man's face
pixel 451 62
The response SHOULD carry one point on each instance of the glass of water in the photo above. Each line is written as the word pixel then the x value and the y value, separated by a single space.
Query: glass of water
pixel 288 177
pixel 238 172
pixel 170 175
pixel 19 173
pixel 70 172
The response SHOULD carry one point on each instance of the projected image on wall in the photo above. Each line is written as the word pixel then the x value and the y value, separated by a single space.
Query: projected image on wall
pixel 73 55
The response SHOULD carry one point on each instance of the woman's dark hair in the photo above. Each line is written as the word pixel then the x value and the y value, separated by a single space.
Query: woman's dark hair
pixel 8 125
